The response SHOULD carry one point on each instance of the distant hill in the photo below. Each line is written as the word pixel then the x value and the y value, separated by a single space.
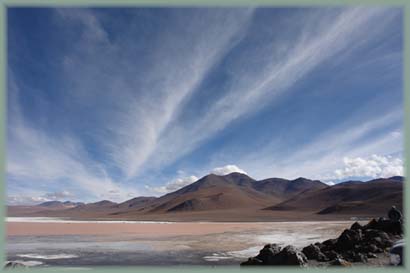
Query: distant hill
pixel 353 197
pixel 60 205
pixel 51 206
pixel 238 197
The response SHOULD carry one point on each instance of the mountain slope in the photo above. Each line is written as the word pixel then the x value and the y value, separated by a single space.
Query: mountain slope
pixel 213 192
pixel 235 190
pixel 356 197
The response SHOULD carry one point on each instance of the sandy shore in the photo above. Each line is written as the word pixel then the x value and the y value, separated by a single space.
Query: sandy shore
pixel 165 229
pixel 168 229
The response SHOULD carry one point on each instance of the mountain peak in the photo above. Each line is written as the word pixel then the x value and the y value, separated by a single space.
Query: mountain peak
pixel 104 203
pixel 236 174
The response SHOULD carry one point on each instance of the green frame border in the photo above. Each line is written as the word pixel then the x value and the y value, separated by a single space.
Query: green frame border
pixel 4 4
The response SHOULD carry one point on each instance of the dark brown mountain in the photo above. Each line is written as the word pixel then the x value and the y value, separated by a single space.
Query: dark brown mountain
pixel 238 197
pixel 137 202
pixel 287 188
pixel 235 190
pixel 43 208
pixel 59 204
pixel 356 198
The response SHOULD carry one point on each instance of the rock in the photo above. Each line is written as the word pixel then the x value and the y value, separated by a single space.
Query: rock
pixel 328 245
pixel 386 225
pixel 311 252
pixel 252 261
pixel 322 257
pixel 331 255
pixel 319 245
pixel 381 243
pixel 348 239
pixel 272 255
pixel 372 248
pixel 290 256
pixel 340 262
pixel 371 233
pixel 329 242
pixel 267 253
pixel 348 255
pixel 356 226
pixel 357 244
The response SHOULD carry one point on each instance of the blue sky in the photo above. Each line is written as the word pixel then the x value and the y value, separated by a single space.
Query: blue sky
pixel 117 103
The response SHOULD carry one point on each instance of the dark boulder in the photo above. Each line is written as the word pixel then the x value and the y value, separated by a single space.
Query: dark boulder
pixel 290 256
pixel 332 255
pixel 356 226
pixel 312 252
pixel 386 225
pixel 328 245
pixel 372 233
pixel 319 245
pixel 267 253
pixel 379 242
pixel 348 239
pixel 272 255
pixel 371 248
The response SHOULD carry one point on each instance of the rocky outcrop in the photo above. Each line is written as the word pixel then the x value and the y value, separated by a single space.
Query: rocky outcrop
pixel 356 244
pixel 272 254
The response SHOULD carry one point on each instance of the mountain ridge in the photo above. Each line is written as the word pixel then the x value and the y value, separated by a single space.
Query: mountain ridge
pixel 235 193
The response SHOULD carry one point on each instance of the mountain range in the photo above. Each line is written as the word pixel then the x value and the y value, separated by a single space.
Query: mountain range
pixel 238 197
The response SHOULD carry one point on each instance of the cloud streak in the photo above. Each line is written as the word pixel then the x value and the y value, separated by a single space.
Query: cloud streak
pixel 335 37
pixel 174 71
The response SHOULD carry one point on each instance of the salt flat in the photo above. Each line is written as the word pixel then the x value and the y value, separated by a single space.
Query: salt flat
pixel 87 243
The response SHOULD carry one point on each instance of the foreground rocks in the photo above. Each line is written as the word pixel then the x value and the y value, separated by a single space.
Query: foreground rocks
pixel 354 245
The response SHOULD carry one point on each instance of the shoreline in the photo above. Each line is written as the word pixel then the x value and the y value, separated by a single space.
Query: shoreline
pixel 142 228
pixel 126 221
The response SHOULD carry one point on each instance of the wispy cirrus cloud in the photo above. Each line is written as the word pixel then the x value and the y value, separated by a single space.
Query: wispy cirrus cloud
pixel 175 69
pixel 36 157
pixel 335 37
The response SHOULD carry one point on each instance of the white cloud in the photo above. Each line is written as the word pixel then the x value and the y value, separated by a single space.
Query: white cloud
pixel 18 200
pixel 227 170
pixel 32 200
pixel 173 185
pixel 374 166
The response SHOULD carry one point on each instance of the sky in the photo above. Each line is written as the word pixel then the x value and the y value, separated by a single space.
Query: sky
pixel 115 103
